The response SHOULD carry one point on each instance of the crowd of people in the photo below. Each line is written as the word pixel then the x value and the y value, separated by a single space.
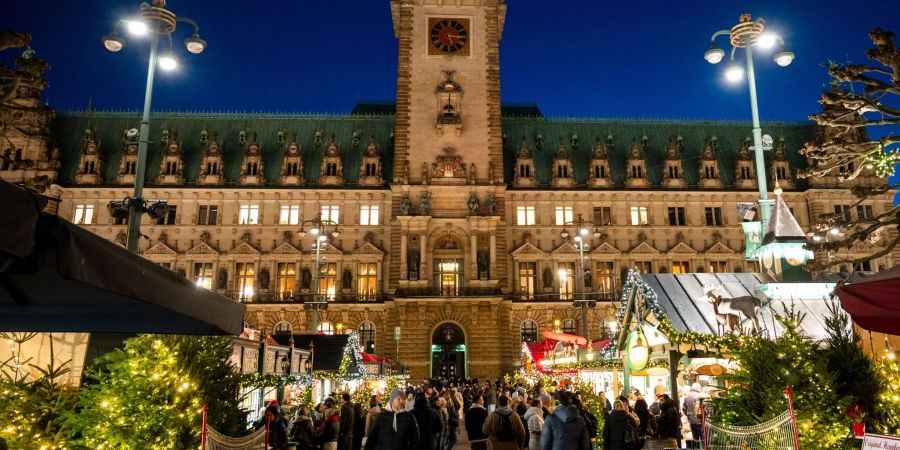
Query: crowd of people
pixel 495 416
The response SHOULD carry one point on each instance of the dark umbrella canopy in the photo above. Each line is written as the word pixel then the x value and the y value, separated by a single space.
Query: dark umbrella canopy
pixel 76 281
pixel 874 302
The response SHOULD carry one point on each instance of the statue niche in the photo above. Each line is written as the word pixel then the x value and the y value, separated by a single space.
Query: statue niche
pixel 449 98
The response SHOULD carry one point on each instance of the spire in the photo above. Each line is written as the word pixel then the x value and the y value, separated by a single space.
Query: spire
pixel 782 227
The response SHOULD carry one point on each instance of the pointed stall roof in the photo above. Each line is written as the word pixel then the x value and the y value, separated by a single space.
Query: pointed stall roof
pixel 783 227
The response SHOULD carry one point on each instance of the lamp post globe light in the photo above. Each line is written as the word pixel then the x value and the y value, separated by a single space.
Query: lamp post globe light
pixel 154 21
pixel 747 34
pixel 321 230
pixel 582 231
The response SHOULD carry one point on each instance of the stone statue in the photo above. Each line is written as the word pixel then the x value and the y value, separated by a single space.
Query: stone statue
pixel 305 278
pixel 483 265
pixel 547 278
pixel 347 279
pixel 473 204
pixel 413 261
pixel 404 205
pixel 424 204
pixel 491 204
pixel 222 279
pixel 264 278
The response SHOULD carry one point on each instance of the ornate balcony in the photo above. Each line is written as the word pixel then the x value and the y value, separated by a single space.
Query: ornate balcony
pixel 299 298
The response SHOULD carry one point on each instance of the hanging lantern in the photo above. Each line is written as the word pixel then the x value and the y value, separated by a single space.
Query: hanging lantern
pixel 638 351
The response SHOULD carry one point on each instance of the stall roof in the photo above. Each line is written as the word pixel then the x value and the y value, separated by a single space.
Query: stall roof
pixel 681 298
pixel 328 349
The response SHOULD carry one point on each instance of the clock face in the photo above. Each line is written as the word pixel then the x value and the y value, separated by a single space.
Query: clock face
pixel 448 36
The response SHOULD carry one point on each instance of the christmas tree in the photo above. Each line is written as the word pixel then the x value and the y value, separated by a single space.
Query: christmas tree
pixel 792 360
pixel 149 395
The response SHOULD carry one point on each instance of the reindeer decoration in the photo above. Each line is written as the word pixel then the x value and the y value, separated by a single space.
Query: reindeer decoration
pixel 727 309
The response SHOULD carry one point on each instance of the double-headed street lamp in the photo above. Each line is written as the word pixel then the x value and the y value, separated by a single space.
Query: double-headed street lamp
pixel 320 230
pixel 156 21
pixel 747 34
pixel 582 230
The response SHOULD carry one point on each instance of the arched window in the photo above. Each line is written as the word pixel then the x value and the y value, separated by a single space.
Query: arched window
pixel 529 331
pixel 569 326
pixel 367 337
pixel 325 328
pixel 283 328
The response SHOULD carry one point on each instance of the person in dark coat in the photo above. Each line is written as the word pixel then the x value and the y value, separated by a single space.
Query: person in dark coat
pixel 277 425
pixel 668 426
pixel 302 432
pixel 359 426
pixel 615 427
pixel 475 417
pixel 328 432
pixel 345 430
pixel 648 424
pixel 589 418
pixel 394 429
pixel 429 423
pixel 565 429
pixel 452 421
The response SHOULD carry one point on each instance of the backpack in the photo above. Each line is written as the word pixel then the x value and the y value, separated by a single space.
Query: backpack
pixel 633 441
pixel 504 431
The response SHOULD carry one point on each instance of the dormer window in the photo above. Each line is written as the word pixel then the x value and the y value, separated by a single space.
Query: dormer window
pixel 745 173
pixel 562 171
pixel 599 171
pixel 709 172
pixel 524 170
pixel 637 172
pixel 171 168
pixel 673 172
pixel 781 173
pixel 212 168
pixel 252 168
pixel 331 169
pixel 130 167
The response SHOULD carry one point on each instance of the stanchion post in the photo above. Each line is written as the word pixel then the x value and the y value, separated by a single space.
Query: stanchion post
pixel 790 398
pixel 203 429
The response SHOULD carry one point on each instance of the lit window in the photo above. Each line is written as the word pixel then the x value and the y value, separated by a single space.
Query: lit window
pixel 639 215
pixel 527 278
pixel 84 215
pixel 367 337
pixel 566 273
pixel 285 277
pixel 203 274
pixel 606 279
pixel 328 280
pixel 644 266
pixel 290 215
pixel 368 279
pixel 249 215
pixel 563 215
pixel 368 215
pixel 681 267
pixel 331 213
pixel 283 328
pixel 718 266
pixel 325 328
pixel 245 274
pixel 529 331
pixel 525 215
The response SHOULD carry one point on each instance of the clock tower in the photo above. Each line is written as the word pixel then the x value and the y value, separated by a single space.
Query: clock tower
pixel 448 128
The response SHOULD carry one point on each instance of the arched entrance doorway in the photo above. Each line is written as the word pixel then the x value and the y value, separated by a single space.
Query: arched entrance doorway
pixel 448 351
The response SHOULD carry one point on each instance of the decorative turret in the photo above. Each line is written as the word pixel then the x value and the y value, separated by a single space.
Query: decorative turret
pixel 128 163
pixel 709 165
pixel 291 162
pixel 636 167
pixel 673 174
pixel 745 171
pixel 90 163
pixel 562 167
pixel 370 166
pixel 211 167
pixel 172 166
pixel 252 164
pixel 599 174
pixel 781 167
pixel 332 173
pixel 782 255
pixel 524 175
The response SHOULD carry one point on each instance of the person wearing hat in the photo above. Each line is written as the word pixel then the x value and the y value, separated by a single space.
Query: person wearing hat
pixel 329 429
pixel 394 429
pixel 277 425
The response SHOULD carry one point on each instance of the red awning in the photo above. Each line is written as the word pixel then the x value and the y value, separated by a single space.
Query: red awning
pixel 874 302
pixel 367 357
pixel 598 345
pixel 538 350
pixel 567 338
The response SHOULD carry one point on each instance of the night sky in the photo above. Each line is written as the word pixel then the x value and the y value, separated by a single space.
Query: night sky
pixel 637 58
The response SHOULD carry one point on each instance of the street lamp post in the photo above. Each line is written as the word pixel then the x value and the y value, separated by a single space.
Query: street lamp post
pixel 582 228
pixel 156 21
pixel 319 229
pixel 747 34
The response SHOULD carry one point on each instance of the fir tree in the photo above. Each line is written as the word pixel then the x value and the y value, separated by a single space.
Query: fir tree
pixel 767 367
pixel 149 395
pixel 854 371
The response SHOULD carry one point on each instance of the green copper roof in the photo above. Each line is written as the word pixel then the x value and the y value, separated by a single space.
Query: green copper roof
pixel 624 133
pixel 68 128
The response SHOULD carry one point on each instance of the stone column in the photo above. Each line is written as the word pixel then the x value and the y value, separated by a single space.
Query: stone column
pixel 422 257
pixel 493 250
pixel 473 264
pixel 403 270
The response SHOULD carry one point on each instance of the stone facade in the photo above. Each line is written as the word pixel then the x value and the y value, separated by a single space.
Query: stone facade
pixel 446 215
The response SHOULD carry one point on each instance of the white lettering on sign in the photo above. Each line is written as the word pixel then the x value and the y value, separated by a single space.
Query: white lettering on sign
pixel 879 442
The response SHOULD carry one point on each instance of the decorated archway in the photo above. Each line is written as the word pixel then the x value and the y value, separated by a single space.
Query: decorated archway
pixel 448 351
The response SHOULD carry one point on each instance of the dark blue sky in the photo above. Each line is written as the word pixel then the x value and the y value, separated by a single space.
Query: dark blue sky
pixel 637 58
